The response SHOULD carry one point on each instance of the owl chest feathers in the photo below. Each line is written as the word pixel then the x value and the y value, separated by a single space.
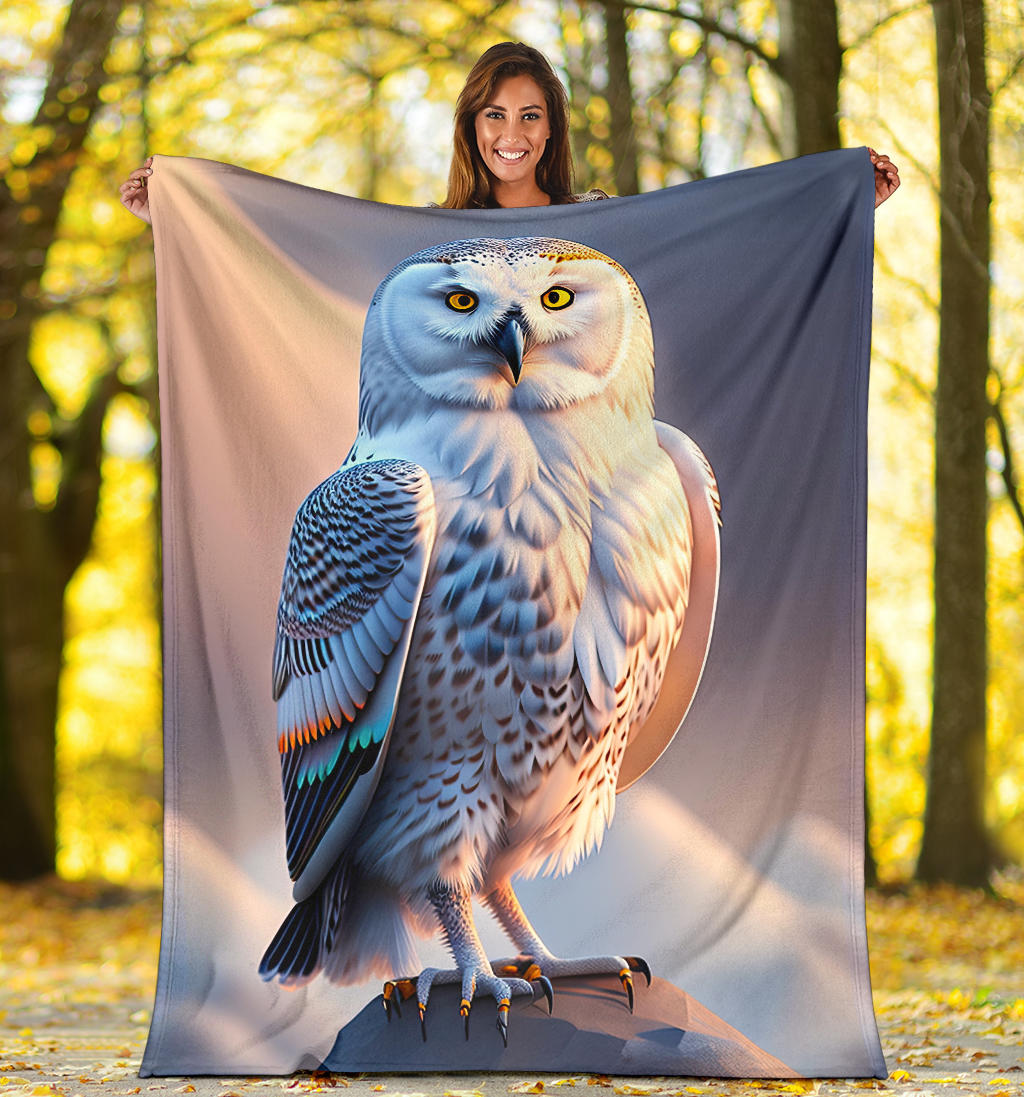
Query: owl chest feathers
pixel 531 512
pixel 556 587
pixel 559 550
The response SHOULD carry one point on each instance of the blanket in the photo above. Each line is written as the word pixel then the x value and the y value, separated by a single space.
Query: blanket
pixel 514 628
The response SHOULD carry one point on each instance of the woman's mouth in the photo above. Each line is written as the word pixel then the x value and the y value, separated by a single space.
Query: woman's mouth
pixel 512 155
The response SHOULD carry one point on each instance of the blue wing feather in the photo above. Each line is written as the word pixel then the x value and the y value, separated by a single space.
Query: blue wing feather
pixel 352 581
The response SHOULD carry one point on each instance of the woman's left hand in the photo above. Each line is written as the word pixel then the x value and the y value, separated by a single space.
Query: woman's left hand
pixel 887 176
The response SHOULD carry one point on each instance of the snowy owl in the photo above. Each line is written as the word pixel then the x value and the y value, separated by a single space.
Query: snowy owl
pixel 478 613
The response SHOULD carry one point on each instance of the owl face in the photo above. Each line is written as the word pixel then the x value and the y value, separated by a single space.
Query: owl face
pixel 529 323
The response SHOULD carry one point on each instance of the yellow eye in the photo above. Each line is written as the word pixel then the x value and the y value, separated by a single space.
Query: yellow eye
pixel 558 297
pixel 461 300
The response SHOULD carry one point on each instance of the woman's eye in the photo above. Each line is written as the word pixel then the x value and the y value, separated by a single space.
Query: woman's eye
pixel 531 117
pixel 558 297
pixel 461 300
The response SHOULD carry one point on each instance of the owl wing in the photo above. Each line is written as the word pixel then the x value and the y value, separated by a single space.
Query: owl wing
pixel 686 662
pixel 353 578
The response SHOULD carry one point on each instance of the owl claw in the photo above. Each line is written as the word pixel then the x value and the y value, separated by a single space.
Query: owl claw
pixel 395 991
pixel 627 985
pixel 527 968
pixel 633 963
pixel 474 983
pixel 638 963
pixel 530 968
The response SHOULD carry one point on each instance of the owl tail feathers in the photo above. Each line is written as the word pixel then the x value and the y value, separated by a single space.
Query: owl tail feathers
pixel 375 937
pixel 293 957
pixel 350 929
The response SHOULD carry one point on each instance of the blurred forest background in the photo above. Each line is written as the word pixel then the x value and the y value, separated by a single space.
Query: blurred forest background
pixel 356 96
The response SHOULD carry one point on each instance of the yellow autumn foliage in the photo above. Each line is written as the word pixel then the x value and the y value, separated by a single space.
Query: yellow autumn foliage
pixel 363 106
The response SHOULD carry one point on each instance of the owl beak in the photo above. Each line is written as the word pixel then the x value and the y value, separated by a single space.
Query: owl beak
pixel 509 340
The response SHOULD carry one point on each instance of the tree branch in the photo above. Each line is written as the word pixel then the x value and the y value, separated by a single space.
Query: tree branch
pixel 1009 472
pixel 919 291
pixel 954 222
pixel 905 374
pixel 709 26
pixel 1009 77
pixel 81 447
pixel 863 39
pixel 774 137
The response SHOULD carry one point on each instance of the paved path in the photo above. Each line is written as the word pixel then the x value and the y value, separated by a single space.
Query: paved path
pixel 94 1049
pixel 77 970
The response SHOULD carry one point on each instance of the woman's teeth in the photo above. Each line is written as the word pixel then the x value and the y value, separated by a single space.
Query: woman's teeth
pixel 516 155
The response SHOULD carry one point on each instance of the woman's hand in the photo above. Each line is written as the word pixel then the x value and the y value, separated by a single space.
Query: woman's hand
pixel 135 192
pixel 887 176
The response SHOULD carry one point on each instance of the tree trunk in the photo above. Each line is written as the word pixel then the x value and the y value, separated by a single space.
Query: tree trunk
pixel 39 551
pixel 870 864
pixel 810 62
pixel 31 642
pixel 619 94
pixel 956 845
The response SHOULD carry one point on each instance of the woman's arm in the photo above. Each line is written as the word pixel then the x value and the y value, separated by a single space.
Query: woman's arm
pixel 135 192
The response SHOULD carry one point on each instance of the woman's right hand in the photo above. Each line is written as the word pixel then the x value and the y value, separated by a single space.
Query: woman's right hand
pixel 135 191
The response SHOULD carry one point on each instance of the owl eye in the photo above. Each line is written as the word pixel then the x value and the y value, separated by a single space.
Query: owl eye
pixel 558 297
pixel 461 300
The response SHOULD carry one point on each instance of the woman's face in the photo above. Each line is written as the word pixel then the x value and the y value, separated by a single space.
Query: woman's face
pixel 512 129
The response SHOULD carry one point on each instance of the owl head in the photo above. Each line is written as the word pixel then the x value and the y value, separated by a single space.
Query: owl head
pixel 526 324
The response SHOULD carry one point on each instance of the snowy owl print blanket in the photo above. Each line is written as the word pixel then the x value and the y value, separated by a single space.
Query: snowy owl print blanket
pixel 514 598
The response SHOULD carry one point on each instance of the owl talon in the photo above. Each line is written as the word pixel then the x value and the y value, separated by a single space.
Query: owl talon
pixel 549 992
pixel 395 991
pixel 526 967
pixel 423 1022
pixel 465 1006
pixel 638 963
pixel 627 985
pixel 503 1020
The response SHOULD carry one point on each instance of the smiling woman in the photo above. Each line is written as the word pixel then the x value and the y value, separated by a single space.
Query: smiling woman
pixel 511 144
pixel 512 132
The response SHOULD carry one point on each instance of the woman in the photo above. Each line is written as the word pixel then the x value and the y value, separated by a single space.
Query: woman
pixel 511 146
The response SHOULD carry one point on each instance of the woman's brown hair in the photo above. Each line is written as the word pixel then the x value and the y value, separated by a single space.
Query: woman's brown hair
pixel 469 185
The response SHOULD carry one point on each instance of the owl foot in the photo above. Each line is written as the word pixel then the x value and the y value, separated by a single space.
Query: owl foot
pixel 554 968
pixel 526 968
pixel 395 992
pixel 474 981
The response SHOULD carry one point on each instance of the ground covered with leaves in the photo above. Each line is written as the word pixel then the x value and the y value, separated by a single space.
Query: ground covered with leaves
pixel 78 967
